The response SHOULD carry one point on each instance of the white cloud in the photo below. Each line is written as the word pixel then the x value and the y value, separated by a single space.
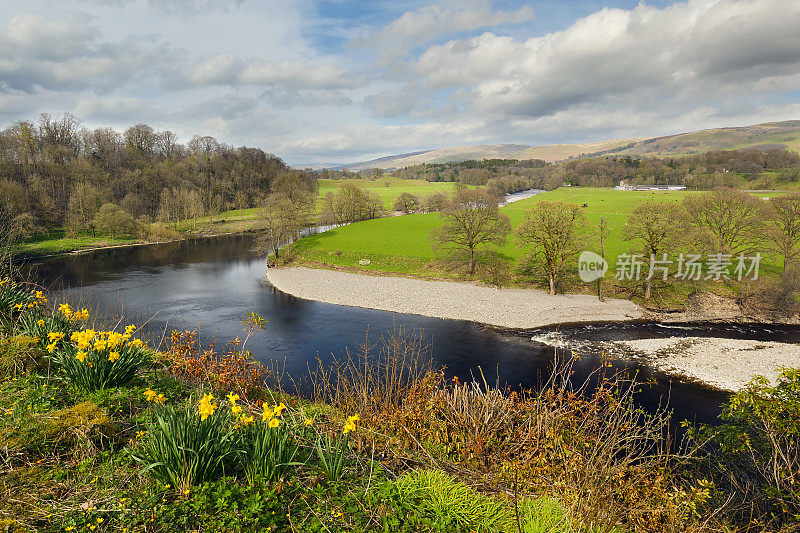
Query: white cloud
pixel 633 58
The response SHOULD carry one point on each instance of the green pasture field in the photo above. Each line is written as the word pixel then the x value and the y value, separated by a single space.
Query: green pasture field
pixel 389 188
pixel 401 244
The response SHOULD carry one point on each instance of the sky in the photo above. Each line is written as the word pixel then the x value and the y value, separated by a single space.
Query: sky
pixel 332 81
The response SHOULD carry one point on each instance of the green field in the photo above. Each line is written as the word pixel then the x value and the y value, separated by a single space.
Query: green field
pixel 389 188
pixel 401 244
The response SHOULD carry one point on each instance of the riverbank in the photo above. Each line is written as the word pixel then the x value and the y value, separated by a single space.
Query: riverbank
pixel 726 364
pixel 510 308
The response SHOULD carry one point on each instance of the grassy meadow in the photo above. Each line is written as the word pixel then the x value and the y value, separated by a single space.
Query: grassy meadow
pixel 401 245
pixel 392 240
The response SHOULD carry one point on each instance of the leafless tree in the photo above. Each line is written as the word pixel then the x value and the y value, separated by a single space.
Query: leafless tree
pixel 556 233
pixel 472 221
pixel 726 220
pixel 783 226
pixel 657 228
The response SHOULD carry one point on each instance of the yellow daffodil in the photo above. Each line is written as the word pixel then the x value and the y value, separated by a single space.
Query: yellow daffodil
pixel 274 423
pixel 309 421
pixel 81 356
pixel 150 394
pixel 206 407
pixel 233 398
pixel 130 329
pixel 236 409
pixel 160 399
pixel 65 310
pixel 40 322
pixel 279 409
pixel 137 343
pixel 114 339
pixel 113 356
pixel 51 347
pixel 55 336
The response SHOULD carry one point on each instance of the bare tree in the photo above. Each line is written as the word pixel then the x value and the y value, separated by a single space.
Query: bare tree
pixel 657 228
pixel 783 226
pixel 556 233
pixel 726 220
pixel 603 232
pixel 472 221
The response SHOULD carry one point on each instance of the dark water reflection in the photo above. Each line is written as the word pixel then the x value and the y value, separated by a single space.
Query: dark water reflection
pixel 214 283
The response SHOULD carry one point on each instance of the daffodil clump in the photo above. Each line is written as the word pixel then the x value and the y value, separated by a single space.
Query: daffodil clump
pixel 185 445
pixel 269 449
pixel 96 360
pixel 16 300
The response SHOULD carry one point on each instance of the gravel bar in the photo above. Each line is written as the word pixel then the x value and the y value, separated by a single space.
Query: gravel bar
pixel 511 308
pixel 726 364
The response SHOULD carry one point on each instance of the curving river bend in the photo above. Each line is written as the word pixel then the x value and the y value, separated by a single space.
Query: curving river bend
pixel 213 283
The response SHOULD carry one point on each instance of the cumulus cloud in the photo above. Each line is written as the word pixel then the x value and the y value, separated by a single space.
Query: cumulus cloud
pixel 416 28
pixel 39 53
pixel 628 57
pixel 226 69
pixel 441 74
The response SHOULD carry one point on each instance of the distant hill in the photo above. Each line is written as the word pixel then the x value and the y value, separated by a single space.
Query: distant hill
pixel 767 136
pixel 444 155
pixel 559 152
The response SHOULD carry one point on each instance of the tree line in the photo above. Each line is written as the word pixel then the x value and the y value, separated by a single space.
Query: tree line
pixel 723 221
pixel 56 172
pixel 720 168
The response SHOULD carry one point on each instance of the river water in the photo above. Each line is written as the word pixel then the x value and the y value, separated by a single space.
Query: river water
pixel 213 283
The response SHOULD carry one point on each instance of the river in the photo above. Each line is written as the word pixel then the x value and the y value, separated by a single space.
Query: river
pixel 213 283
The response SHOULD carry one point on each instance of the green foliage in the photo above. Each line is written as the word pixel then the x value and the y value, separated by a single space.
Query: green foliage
pixel 757 446
pixel 331 452
pixel 114 220
pixel 451 505
pixel 268 453
pixel 179 448
pixel 542 515
pixel 20 354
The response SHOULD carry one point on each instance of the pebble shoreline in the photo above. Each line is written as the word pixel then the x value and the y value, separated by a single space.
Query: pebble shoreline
pixel 510 308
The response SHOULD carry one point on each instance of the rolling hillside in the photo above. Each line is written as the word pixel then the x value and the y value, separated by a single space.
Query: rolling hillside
pixel 767 136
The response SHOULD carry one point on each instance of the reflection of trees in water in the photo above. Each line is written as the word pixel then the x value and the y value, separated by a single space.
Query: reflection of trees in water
pixel 86 268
